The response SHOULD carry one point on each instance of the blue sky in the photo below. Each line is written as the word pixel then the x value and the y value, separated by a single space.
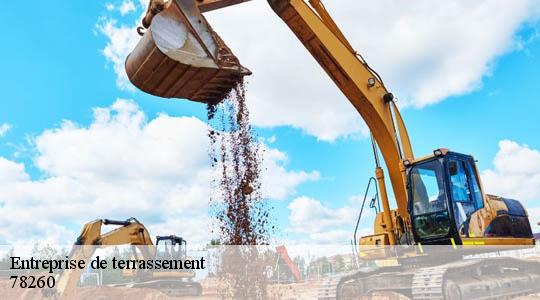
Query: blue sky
pixel 55 69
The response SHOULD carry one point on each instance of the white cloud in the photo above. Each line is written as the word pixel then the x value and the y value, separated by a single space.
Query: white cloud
pixel 516 173
pixel 534 218
pixel 121 165
pixel 424 52
pixel 309 217
pixel 122 39
pixel 109 6
pixel 11 171
pixel 335 236
pixel 271 139
pixel 4 128
pixel 126 7
pixel 278 182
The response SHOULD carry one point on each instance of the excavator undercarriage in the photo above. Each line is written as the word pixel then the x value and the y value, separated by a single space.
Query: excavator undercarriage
pixel 494 278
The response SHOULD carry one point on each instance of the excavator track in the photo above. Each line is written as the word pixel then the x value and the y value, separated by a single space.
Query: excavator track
pixel 328 288
pixel 349 285
pixel 333 287
pixel 488 278
pixel 428 283
pixel 491 278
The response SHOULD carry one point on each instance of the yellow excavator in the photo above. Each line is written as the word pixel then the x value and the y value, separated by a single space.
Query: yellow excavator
pixel 130 232
pixel 439 197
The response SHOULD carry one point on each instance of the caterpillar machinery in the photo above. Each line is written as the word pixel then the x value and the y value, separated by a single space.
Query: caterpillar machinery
pixel 131 232
pixel 439 197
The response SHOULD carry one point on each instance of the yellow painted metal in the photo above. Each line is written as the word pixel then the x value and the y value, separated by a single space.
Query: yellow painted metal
pixel 381 263
pixel 377 239
pixel 328 21
pixel 406 146
pixel 318 32
pixel 387 216
pixel 209 5
pixel 91 237
pixel 474 242
pixel 496 241
pixel 321 36
pixel 351 75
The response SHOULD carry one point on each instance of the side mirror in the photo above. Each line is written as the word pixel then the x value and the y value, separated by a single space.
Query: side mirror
pixel 452 168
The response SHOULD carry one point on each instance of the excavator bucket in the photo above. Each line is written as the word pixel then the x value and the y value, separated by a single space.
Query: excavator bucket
pixel 180 56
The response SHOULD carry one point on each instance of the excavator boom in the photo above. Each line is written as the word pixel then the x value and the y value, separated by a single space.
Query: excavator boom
pixel 209 5
pixel 157 73
pixel 202 68
pixel 359 83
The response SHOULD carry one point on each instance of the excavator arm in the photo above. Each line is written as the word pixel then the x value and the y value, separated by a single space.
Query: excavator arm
pixel 317 31
pixel 156 6
pixel 359 83
pixel 130 232
pixel 180 56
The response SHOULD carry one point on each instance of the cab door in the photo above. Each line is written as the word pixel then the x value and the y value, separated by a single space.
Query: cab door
pixel 464 192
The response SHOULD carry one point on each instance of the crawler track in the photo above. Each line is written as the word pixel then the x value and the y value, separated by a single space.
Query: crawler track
pixel 491 278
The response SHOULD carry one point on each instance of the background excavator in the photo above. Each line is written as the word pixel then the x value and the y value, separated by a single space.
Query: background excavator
pixel 131 232
pixel 439 197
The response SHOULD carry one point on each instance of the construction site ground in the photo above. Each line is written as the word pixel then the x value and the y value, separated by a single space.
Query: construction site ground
pixel 296 291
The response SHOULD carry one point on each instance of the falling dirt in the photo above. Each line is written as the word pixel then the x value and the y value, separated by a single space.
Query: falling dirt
pixel 237 204
pixel 241 214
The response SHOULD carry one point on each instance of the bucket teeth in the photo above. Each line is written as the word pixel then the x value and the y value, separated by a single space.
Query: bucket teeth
pixel 180 56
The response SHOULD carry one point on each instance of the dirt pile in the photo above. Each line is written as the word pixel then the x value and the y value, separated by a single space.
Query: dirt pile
pixel 9 292
pixel 295 291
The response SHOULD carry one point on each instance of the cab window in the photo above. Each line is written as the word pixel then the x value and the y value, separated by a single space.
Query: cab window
pixel 477 193
pixel 430 216
pixel 428 188
pixel 463 196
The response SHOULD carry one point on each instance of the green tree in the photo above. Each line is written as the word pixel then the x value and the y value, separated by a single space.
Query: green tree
pixel 319 266
pixel 215 242
pixel 46 252
pixel 339 264
pixel 6 260
pixel 300 262
pixel 112 276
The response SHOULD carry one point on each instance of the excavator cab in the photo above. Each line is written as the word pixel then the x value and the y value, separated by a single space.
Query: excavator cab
pixel 443 192
pixel 445 197
pixel 171 247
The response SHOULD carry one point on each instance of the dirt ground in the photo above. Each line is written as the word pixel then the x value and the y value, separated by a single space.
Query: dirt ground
pixel 300 291
pixel 288 291
pixel 101 293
